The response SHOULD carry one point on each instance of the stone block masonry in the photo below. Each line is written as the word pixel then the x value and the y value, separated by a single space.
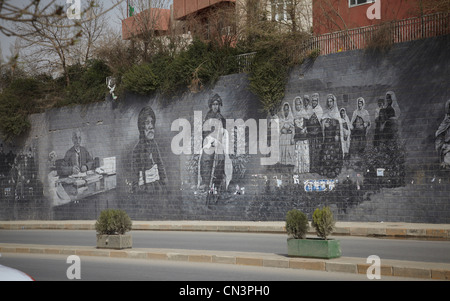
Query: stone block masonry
pixel 366 134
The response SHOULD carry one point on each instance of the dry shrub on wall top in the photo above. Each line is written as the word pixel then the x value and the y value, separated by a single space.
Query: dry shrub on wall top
pixel 140 79
pixel 380 40
pixel 20 97
pixel 276 53
pixel 199 66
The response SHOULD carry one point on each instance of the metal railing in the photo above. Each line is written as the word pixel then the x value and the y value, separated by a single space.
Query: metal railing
pixel 393 32
pixel 360 38
pixel 244 61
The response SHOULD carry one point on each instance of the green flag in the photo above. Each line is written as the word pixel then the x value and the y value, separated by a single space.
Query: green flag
pixel 130 9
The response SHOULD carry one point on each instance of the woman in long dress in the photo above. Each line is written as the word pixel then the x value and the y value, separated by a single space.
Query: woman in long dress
pixel 315 133
pixel 286 120
pixel 361 124
pixel 346 131
pixel 380 118
pixel 332 154
pixel 300 137
pixel 392 115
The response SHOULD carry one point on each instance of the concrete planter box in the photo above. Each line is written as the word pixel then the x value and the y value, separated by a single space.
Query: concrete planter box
pixel 114 241
pixel 314 248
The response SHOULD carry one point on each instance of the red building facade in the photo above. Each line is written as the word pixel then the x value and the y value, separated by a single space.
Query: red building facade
pixel 335 15
pixel 184 8
pixel 156 20
pixel 198 16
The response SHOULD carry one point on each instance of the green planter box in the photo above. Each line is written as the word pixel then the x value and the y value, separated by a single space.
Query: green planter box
pixel 314 248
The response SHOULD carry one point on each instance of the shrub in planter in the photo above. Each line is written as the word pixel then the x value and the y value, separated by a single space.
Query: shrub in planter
pixel 111 226
pixel 323 222
pixel 297 224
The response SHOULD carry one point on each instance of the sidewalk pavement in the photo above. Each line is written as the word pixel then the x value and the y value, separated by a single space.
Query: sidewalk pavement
pixel 398 268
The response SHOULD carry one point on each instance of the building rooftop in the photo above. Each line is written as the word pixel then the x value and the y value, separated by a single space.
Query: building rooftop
pixel 184 8
pixel 155 19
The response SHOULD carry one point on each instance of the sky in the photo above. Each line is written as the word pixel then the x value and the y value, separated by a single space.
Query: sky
pixel 114 20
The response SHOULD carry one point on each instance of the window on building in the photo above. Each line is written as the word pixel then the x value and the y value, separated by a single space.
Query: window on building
pixel 280 10
pixel 359 2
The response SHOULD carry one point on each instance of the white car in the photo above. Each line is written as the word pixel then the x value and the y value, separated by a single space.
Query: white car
pixel 10 274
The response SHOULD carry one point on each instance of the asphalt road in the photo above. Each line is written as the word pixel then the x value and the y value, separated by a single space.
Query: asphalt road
pixel 400 249
pixel 55 268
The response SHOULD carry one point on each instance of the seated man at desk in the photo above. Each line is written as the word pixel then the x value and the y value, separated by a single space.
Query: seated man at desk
pixel 77 158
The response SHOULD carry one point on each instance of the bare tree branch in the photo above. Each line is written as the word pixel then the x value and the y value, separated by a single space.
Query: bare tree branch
pixel 51 44
pixel 35 11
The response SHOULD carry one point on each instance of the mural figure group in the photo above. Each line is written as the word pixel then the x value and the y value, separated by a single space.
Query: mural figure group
pixel 18 175
pixel 312 139
pixel 443 139
pixel 318 140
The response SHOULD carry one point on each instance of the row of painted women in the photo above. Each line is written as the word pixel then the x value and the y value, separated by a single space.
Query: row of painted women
pixel 318 140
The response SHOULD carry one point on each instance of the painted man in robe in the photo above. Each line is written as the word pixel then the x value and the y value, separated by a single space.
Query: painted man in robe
pixel 148 168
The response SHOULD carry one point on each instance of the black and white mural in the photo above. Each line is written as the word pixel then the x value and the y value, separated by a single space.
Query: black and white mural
pixel 443 138
pixel 368 136
pixel 148 168
pixel 77 174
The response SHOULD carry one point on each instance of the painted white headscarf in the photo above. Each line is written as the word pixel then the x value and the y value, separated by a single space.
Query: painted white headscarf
pixel 318 109
pixel 302 112
pixel 363 113
pixel 395 105
pixel 346 119
pixel 286 119
pixel 308 108
pixel 333 112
